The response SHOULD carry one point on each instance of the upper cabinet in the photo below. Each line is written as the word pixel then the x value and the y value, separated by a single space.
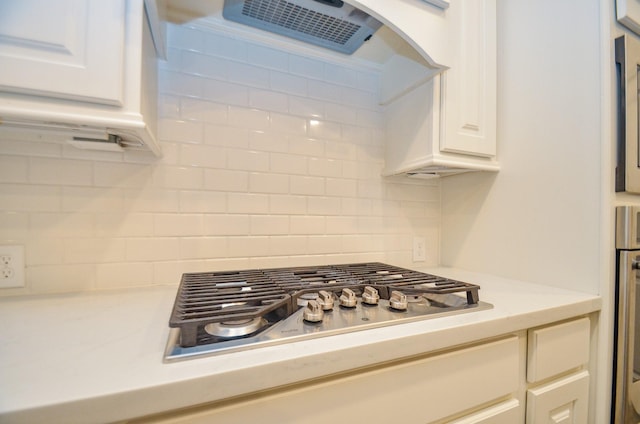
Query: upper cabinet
pixel 84 69
pixel 441 108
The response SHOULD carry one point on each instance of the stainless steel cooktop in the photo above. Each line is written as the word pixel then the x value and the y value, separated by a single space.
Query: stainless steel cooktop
pixel 223 312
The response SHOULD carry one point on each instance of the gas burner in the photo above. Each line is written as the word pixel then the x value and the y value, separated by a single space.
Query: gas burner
pixel 218 312
pixel 233 329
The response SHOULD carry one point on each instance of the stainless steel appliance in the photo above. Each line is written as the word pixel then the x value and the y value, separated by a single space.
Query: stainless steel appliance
pixel 220 312
pixel 627 58
pixel 626 396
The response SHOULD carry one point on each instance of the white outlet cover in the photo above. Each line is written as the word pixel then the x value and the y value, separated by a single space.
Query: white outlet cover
pixel 16 265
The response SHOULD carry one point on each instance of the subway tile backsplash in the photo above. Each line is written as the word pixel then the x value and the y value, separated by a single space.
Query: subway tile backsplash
pixel 270 159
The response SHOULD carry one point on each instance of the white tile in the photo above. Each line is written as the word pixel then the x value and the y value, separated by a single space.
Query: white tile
pixel 185 37
pixel 121 175
pixel 324 129
pixel 61 225
pixel 126 274
pixel 37 147
pixel 267 57
pixel 287 83
pixel 268 100
pixel 268 141
pixel 370 190
pixel 179 225
pixel 362 243
pixel 248 246
pixel 352 97
pixel 322 205
pixel 306 107
pixel 268 183
pixel 151 200
pixel 123 224
pixel 178 177
pixel 287 124
pixel 245 74
pixel 226 180
pixel 269 225
pixel 325 167
pixel 341 224
pixel 173 61
pixel 337 74
pixel 287 245
pixel 324 244
pixel 224 46
pixel 202 64
pixel 202 156
pixel 307 185
pixel 223 135
pixel 287 204
pixel 61 278
pixel 340 150
pixel 288 164
pixel 202 201
pixel 226 92
pixel 13 226
pixel 45 251
pixel 305 67
pixel 370 118
pixel 179 130
pixel 254 119
pixel 341 113
pixel 71 152
pixel 181 84
pixel 307 225
pixel 203 110
pixel 93 250
pixel 310 147
pixel 226 225
pixel 14 169
pixel 60 172
pixel 168 106
pixel 203 247
pixel 369 81
pixel 23 197
pixel 324 91
pixel 248 203
pixel 247 160
pixel 341 187
pixel 96 199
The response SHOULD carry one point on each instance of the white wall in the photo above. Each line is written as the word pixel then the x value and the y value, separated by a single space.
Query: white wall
pixel 538 219
pixel 270 159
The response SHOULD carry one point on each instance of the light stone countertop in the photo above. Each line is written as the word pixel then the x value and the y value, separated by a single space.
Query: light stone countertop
pixel 97 356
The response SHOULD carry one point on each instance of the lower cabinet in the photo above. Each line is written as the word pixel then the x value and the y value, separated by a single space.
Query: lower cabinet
pixel 479 384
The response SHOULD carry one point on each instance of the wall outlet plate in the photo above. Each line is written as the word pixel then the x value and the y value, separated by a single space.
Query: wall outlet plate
pixel 419 249
pixel 11 266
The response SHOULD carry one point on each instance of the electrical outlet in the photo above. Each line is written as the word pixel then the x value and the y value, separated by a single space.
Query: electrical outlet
pixel 11 266
pixel 419 249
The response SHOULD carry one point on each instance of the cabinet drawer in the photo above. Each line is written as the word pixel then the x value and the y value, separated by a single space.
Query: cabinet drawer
pixel 563 401
pixel 419 391
pixel 504 413
pixel 554 350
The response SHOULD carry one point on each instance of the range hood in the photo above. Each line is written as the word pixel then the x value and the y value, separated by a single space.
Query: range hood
pixel 332 24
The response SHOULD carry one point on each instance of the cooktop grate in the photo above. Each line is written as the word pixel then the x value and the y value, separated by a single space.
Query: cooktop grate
pixel 273 294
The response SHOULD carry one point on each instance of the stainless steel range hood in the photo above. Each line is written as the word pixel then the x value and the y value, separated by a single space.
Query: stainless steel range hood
pixel 332 24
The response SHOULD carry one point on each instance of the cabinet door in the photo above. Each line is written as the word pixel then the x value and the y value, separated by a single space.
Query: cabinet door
pixel 564 401
pixel 469 86
pixel 71 49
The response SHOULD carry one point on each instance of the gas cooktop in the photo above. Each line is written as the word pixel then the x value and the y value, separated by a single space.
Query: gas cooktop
pixel 222 312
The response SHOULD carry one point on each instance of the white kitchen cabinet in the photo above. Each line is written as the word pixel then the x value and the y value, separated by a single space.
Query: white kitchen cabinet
pixel 447 124
pixel 557 354
pixel 421 390
pixel 538 376
pixel 79 68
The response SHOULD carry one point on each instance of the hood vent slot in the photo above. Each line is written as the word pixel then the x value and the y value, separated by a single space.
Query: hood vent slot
pixel 334 25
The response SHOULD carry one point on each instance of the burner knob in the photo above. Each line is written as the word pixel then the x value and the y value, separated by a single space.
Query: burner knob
pixel 370 296
pixel 348 298
pixel 398 301
pixel 325 299
pixel 313 312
